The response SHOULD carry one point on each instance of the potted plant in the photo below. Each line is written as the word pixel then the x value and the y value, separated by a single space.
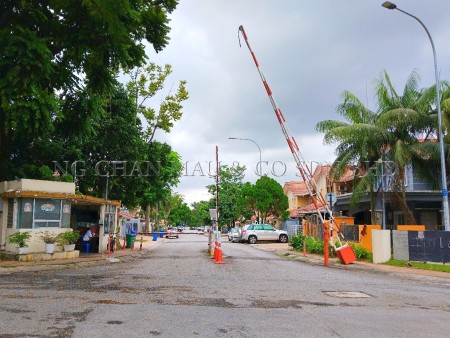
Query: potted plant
pixel 21 239
pixel 68 239
pixel 49 240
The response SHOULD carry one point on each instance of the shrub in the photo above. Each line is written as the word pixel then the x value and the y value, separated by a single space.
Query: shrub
pixel 360 252
pixel 297 241
pixel 48 237
pixel 68 237
pixel 19 238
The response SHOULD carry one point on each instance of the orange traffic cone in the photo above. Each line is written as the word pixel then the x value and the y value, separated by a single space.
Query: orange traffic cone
pixel 215 250
pixel 219 259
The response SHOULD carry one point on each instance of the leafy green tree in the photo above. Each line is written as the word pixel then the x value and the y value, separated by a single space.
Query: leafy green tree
pixel 230 184
pixel 200 212
pixel 180 215
pixel 172 201
pixel 144 84
pixel 269 198
pixel 59 56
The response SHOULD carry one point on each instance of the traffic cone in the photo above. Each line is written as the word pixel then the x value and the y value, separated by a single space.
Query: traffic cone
pixel 216 251
pixel 219 259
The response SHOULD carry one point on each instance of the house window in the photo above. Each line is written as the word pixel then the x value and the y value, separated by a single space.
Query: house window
pixel 43 212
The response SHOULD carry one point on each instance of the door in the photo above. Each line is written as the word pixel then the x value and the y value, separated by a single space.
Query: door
pixel 270 233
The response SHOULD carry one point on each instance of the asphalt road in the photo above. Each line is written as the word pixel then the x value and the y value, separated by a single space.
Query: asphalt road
pixel 176 290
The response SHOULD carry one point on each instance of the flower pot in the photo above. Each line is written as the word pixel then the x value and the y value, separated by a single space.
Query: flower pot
pixel 49 248
pixel 22 250
pixel 69 247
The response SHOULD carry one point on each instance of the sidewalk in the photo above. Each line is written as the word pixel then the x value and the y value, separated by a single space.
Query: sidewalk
pixel 284 250
pixel 12 266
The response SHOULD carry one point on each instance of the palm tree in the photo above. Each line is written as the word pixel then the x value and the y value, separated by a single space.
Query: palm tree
pixel 411 128
pixel 401 131
pixel 359 145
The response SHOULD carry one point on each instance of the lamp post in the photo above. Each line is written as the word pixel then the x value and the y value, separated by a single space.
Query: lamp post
pixel 247 139
pixel 260 165
pixel 390 5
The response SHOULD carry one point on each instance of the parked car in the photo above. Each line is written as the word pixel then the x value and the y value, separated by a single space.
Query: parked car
pixel 180 228
pixel 171 233
pixel 263 232
pixel 234 235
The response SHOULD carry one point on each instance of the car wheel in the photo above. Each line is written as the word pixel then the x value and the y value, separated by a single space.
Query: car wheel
pixel 283 238
pixel 252 239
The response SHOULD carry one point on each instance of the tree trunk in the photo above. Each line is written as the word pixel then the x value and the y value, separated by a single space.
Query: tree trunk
pixel 147 218
pixel 399 196
pixel 157 215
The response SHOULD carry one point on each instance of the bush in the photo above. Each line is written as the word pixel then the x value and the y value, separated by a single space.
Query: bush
pixel 297 241
pixel 360 252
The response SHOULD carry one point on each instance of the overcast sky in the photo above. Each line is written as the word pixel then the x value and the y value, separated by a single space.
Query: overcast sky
pixel 309 52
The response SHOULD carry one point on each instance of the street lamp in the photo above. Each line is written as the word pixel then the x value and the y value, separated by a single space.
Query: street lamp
pixel 247 139
pixel 390 5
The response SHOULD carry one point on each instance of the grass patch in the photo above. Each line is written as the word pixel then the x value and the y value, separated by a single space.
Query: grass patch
pixel 420 265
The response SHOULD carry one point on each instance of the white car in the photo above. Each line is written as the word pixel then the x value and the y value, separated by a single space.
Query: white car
pixel 171 233
pixel 263 232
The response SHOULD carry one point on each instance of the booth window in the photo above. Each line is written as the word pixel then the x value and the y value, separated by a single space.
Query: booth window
pixel 110 216
pixel 43 212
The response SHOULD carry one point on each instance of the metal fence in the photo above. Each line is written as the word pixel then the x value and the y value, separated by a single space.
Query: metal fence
pixel 294 229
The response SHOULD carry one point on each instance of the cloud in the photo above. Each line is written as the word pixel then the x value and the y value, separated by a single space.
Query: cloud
pixel 309 52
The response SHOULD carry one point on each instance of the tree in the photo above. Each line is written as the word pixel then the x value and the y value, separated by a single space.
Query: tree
pixel 400 131
pixel 230 183
pixel 359 145
pixel 180 215
pixel 55 54
pixel 144 84
pixel 200 212
pixel 411 125
pixel 269 198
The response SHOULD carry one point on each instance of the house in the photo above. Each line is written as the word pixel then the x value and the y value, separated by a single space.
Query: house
pixel 298 196
pixel 37 205
pixel 424 201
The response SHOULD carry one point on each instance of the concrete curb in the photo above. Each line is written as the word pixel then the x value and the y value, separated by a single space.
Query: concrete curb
pixel 288 253
pixel 8 267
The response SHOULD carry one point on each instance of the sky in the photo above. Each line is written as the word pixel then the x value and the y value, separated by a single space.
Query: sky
pixel 310 52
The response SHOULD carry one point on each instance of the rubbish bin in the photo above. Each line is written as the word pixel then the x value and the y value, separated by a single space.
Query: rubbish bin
pixel 161 233
pixel 155 236
pixel 130 239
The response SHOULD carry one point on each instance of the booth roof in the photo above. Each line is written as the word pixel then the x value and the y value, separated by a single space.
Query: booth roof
pixel 76 199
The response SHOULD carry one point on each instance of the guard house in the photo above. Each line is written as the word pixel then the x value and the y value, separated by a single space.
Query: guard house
pixel 37 205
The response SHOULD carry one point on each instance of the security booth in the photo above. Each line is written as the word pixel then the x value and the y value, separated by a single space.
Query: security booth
pixel 38 206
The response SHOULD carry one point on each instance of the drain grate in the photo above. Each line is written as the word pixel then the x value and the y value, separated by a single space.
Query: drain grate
pixel 347 294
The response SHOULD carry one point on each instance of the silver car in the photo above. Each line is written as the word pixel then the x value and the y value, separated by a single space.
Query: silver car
pixel 234 235
pixel 263 232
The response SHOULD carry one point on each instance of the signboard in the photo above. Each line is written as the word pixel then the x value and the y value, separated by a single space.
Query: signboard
pixel 331 198
pixel 213 214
